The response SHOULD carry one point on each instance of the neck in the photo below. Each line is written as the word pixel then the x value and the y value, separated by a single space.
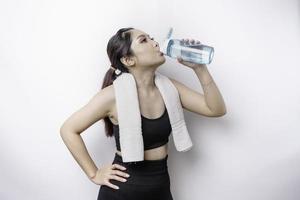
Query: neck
pixel 144 80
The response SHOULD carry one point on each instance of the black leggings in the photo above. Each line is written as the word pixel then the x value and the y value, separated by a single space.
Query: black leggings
pixel 148 180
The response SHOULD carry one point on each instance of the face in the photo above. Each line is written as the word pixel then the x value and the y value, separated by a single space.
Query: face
pixel 146 51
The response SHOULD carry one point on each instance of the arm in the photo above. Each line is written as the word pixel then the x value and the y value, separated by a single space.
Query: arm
pixel 211 104
pixel 78 150
pixel 96 109
pixel 213 97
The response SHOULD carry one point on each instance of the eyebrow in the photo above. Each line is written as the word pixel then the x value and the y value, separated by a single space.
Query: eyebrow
pixel 142 36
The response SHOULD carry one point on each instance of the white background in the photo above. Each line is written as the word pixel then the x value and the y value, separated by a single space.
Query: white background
pixel 53 60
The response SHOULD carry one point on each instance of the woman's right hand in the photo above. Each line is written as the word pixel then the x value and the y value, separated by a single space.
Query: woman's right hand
pixel 110 171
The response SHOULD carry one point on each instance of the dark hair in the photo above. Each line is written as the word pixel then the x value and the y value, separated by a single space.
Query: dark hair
pixel 119 45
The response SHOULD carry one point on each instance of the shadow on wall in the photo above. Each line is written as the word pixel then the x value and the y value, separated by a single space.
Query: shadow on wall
pixel 262 186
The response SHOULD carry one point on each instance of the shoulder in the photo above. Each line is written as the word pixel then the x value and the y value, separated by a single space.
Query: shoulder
pixel 110 90
pixel 106 92
pixel 104 99
pixel 109 94
pixel 97 108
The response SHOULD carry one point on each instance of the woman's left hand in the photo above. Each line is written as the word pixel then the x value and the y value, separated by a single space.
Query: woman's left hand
pixel 186 63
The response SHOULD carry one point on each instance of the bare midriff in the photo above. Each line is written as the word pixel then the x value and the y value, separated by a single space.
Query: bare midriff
pixel 154 154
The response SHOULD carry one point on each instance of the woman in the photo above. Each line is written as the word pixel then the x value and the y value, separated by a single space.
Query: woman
pixel 133 51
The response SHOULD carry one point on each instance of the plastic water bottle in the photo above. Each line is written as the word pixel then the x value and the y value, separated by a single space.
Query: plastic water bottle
pixel 195 53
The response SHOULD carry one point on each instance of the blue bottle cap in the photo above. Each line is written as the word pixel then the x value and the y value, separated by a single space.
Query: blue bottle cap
pixel 167 40
pixel 165 46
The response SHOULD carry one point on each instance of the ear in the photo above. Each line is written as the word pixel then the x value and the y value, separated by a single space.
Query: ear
pixel 127 61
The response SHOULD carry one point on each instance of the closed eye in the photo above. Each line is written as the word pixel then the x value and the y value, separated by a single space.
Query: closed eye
pixel 145 39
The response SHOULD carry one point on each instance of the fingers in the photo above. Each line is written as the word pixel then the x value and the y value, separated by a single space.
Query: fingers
pixel 179 59
pixel 114 175
pixel 117 172
pixel 117 166
pixel 118 178
pixel 190 41
pixel 111 185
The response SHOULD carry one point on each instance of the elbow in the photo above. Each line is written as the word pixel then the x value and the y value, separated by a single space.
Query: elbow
pixel 65 134
pixel 66 130
pixel 221 113
pixel 63 130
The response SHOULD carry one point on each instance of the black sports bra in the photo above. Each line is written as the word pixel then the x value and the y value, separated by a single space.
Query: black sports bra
pixel 155 132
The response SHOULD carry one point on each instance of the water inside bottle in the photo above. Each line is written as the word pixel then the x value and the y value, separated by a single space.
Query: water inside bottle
pixel 196 53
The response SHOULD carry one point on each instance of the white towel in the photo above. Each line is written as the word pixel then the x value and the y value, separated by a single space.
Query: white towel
pixel 129 116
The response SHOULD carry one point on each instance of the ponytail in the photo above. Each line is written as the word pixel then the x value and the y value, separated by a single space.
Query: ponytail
pixel 117 47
